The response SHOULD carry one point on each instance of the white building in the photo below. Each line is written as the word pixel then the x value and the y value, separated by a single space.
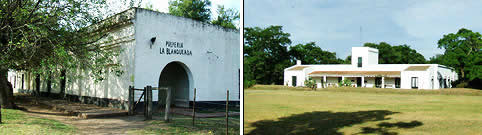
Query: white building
pixel 364 71
pixel 158 50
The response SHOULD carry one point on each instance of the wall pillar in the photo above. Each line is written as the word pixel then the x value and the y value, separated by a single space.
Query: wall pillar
pixel 324 81
pixel 362 81
pixel 383 82
pixel 342 78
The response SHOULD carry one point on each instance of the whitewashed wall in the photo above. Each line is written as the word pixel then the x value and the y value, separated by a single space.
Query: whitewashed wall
pixel 370 60
pixel 300 77
pixel 79 82
pixel 213 65
pixel 369 56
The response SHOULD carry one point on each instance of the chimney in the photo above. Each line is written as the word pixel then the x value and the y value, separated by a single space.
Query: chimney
pixel 298 62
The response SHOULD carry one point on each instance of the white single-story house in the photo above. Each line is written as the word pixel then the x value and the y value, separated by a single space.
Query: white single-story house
pixel 364 71
pixel 160 50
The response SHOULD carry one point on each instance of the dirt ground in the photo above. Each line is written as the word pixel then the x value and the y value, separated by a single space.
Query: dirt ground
pixel 107 125
pixel 112 125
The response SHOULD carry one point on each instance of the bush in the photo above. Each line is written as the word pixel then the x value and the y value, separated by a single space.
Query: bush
pixel 344 83
pixel 462 85
pixel 310 83
pixel 475 84
pixel 249 83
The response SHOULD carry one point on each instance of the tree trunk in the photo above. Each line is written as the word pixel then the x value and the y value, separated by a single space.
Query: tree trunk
pixel 462 73
pixel 6 91
pixel 0 114
pixel 62 83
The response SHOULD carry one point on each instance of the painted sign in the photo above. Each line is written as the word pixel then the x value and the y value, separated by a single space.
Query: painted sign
pixel 174 48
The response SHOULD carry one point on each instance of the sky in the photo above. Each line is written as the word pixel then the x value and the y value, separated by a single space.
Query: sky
pixel 335 24
pixel 162 5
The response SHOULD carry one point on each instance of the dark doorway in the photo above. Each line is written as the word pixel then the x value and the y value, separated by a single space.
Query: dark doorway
pixel 445 83
pixel 176 76
pixel 397 82
pixel 358 82
pixel 37 84
pixel 293 79
pixel 378 82
pixel 62 82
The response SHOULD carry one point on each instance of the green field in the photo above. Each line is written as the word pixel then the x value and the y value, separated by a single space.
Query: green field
pixel 282 110
pixel 16 122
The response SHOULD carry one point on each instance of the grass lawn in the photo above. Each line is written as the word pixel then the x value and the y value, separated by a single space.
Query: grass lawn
pixel 16 122
pixel 282 110
pixel 183 125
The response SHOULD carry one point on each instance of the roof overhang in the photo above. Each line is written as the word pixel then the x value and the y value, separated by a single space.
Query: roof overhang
pixel 417 68
pixel 297 67
pixel 356 73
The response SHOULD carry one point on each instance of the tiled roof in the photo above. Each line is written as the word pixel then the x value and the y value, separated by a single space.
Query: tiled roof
pixel 375 73
pixel 417 68
pixel 298 68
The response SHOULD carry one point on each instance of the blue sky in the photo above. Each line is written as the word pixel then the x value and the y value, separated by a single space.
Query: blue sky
pixel 335 24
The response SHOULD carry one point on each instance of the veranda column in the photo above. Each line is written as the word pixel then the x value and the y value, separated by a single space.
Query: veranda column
pixel 324 81
pixel 342 78
pixel 362 81
pixel 383 82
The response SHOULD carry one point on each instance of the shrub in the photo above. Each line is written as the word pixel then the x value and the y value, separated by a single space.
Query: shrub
pixel 345 82
pixel 310 83
pixel 462 85
pixel 249 83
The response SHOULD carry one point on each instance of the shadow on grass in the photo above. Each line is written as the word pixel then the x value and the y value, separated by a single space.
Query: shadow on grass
pixel 383 128
pixel 328 122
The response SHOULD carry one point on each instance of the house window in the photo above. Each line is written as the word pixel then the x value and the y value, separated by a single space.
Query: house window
pixel 359 61
pixel 293 79
pixel 414 82
pixel 339 79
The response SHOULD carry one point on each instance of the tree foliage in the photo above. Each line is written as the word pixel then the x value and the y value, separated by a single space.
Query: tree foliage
pixel 226 17
pixel 401 54
pixel 46 36
pixel 347 60
pixel 437 59
pixel 265 54
pixel 310 53
pixel 194 9
pixel 462 51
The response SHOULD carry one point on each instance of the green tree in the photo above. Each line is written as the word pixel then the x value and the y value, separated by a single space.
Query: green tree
pixel 226 17
pixel 194 9
pixel 347 60
pixel 311 54
pixel 462 51
pixel 43 39
pixel 401 54
pixel 265 54
pixel 437 59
